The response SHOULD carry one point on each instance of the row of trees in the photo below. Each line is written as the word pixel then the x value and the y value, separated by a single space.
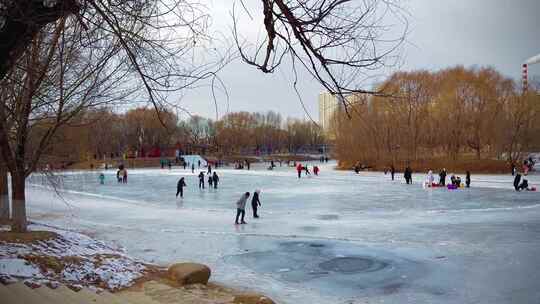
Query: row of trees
pixel 454 113
pixel 100 132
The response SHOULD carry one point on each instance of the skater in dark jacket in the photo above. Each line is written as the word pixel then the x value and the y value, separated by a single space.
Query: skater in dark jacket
pixel 201 180
pixel 210 181
pixel 468 179
pixel 180 187
pixel 215 179
pixel 517 179
pixel 408 175
pixel 392 171
pixel 255 203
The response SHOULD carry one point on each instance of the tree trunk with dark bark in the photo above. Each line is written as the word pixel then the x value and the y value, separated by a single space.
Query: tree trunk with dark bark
pixel 18 201
pixel 4 194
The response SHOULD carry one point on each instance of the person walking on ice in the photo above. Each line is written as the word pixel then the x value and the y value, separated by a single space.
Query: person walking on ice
pixel 192 168
pixel 215 179
pixel 180 187
pixel 201 180
pixel 255 203
pixel 102 178
pixel 210 180
pixel 241 208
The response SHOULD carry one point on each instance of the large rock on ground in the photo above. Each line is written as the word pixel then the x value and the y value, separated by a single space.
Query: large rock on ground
pixel 189 273
pixel 252 298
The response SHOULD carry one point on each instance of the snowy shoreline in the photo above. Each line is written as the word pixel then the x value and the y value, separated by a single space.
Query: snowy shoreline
pixel 68 258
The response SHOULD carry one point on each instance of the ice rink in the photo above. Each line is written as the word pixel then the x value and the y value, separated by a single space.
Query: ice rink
pixel 335 238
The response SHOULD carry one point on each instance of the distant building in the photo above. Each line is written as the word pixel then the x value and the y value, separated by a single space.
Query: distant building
pixel 330 105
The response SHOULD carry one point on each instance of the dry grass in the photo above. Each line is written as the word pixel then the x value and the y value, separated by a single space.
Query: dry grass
pixel 27 237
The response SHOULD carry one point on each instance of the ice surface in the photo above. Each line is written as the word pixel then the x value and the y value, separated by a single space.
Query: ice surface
pixel 335 238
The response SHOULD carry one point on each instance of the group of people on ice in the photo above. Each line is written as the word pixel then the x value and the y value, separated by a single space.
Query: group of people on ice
pixel 241 206
pixel 301 168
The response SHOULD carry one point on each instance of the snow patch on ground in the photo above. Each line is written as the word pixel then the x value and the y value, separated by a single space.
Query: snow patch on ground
pixel 71 259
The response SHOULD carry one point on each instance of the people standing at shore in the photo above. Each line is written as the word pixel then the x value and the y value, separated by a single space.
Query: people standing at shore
pixel 215 179
pixel 241 208
pixel 180 187
pixel 255 202
pixel 468 179
pixel 442 177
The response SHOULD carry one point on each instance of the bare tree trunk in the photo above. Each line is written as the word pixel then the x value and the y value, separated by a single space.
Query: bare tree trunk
pixel 4 194
pixel 18 202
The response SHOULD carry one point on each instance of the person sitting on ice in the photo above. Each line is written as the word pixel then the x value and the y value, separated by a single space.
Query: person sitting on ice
pixel 458 181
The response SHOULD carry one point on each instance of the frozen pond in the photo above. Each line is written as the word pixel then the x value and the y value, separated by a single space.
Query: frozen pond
pixel 335 238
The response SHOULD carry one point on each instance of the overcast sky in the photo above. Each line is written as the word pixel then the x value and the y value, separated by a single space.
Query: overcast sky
pixel 498 33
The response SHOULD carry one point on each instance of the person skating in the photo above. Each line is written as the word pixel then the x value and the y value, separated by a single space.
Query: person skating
pixel 184 165
pixel 201 180
pixel 299 170
pixel 192 168
pixel 408 175
pixel 209 169
pixel 215 179
pixel 468 179
pixel 392 171
pixel 119 175
pixel 210 181
pixel 241 208
pixel 513 168
pixel 199 163
pixel 102 178
pixel 517 179
pixel 255 203
pixel 307 170
pixel 316 170
pixel 180 187
pixel 524 185
pixel 124 177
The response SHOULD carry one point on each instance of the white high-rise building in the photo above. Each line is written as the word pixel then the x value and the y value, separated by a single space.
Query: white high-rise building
pixel 329 105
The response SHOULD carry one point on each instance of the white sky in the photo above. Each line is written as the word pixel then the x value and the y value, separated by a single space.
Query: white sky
pixel 498 33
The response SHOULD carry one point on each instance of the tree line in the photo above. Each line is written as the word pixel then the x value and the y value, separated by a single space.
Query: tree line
pixel 100 133
pixel 454 114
